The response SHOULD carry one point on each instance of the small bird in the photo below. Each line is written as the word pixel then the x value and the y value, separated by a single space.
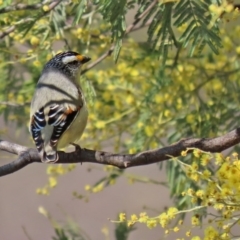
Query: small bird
pixel 58 114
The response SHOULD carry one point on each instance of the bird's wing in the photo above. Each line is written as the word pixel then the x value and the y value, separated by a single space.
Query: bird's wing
pixel 58 116
pixel 61 118
pixel 38 122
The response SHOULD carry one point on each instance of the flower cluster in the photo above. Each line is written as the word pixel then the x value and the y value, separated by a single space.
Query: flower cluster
pixel 216 201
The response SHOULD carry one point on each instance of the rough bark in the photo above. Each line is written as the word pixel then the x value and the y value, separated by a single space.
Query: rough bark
pixel 28 155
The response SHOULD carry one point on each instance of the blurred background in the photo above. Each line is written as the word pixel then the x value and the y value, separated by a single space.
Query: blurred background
pixel 160 71
pixel 19 204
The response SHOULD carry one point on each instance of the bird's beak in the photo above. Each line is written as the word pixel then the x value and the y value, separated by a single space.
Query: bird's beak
pixel 83 59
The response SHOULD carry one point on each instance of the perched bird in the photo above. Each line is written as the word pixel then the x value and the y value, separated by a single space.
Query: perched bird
pixel 58 114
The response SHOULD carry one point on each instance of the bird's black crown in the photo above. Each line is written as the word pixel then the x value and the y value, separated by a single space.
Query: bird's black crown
pixel 66 62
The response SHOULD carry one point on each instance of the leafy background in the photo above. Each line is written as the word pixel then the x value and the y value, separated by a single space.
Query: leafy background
pixel 182 81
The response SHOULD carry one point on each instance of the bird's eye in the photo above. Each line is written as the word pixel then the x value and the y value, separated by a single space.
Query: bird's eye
pixel 74 62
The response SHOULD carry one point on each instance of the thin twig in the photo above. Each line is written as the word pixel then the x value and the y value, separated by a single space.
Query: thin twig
pixel 7 32
pixel 26 233
pixel 141 16
pixel 12 28
pixel 11 104
pixel 21 6
pixel 141 26
pixel 100 59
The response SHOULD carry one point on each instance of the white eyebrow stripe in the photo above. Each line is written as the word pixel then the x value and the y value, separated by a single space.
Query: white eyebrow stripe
pixel 68 59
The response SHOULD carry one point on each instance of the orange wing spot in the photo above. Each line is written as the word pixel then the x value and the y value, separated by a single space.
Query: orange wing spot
pixel 69 111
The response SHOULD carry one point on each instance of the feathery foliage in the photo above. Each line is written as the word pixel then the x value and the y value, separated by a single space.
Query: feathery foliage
pixel 141 102
pixel 201 29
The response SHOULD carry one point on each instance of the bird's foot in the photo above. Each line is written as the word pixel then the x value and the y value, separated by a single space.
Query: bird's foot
pixel 77 147
pixel 49 158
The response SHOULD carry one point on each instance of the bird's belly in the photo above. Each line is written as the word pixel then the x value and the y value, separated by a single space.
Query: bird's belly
pixel 75 131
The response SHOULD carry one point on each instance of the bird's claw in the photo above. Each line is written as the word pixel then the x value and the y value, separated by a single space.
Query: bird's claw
pixel 77 147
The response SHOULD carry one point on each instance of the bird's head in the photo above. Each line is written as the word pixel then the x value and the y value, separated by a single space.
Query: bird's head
pixel 67 62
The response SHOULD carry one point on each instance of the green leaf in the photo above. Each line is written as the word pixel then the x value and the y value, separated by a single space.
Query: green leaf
pixel 191 35
pixel 122 231
pixel 211 45
pixel 79 11
pixel 194 43
pixel 189 28
pixel 180 7
pixel 197 17
pixel 181 20
pixel 117 50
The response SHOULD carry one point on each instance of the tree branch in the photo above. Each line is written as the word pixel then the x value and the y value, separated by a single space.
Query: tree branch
pixel 28 155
